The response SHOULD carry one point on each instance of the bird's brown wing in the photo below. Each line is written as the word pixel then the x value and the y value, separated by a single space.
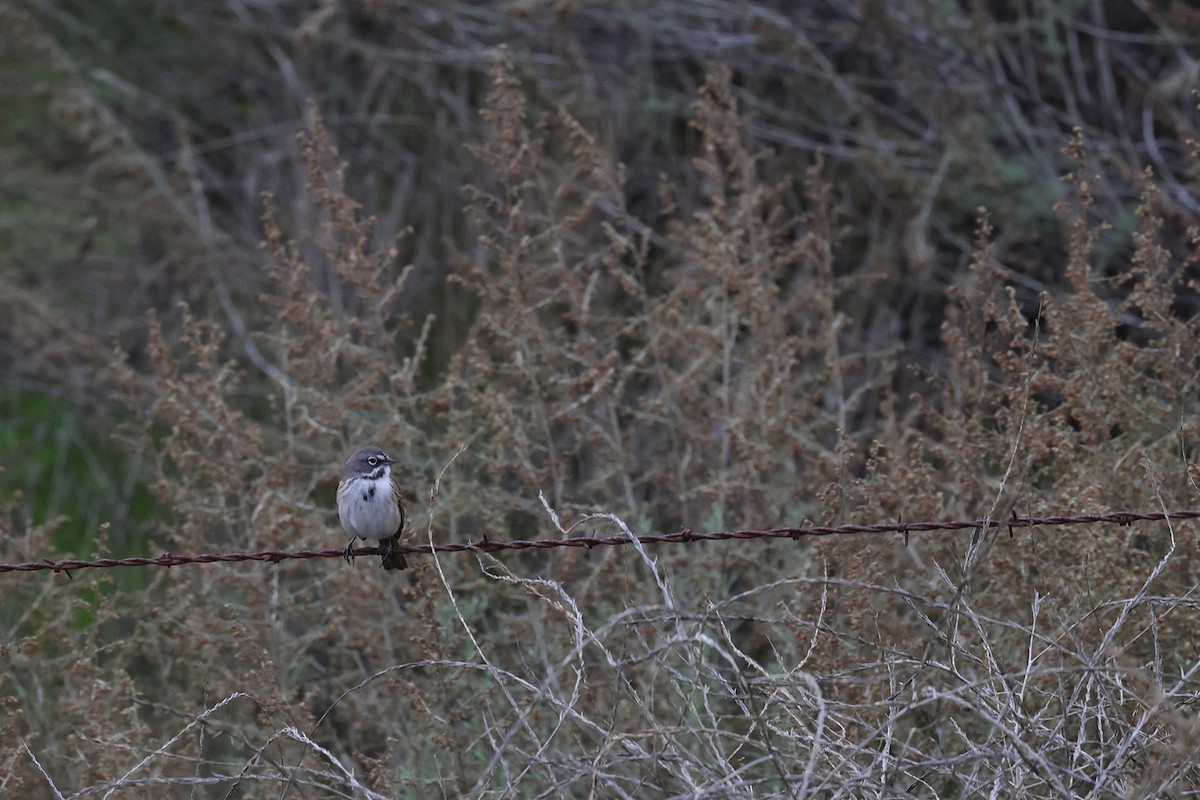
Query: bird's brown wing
pixel 393 559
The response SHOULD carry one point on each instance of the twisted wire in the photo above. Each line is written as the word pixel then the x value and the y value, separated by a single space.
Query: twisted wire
pixel 685 536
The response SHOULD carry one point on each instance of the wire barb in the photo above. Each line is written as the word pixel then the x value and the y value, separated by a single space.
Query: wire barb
pixel 684 536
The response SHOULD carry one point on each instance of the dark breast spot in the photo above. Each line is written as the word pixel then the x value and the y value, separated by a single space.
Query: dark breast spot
pixel 368 494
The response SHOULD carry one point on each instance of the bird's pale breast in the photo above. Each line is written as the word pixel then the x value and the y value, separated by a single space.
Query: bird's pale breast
pixel 368 508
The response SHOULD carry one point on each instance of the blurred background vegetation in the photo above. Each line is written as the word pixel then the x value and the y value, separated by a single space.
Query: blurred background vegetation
pixel 138 138
pixel 706 264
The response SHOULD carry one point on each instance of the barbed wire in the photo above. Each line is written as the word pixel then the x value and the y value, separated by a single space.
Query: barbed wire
pixel 684 536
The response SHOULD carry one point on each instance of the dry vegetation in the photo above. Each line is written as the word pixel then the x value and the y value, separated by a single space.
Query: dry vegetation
pixel 700 265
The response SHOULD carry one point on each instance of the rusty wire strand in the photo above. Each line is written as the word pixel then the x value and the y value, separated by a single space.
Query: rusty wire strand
pixel 679 537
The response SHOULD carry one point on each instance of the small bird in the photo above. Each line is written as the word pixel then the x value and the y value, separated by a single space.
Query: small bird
pixel 369 503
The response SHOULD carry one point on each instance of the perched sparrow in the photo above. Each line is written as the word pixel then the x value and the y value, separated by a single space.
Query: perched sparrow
pixel 369 503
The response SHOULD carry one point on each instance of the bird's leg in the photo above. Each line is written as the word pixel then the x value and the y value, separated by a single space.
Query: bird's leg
pixel 348 553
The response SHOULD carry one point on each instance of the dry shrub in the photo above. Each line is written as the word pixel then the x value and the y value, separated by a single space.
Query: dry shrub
pixel 618 362
pixel 706 368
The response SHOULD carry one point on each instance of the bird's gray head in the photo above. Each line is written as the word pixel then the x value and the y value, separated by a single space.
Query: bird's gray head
pixel 367 462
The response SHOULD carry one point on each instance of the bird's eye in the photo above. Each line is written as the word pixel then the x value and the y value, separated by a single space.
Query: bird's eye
pixel 373 461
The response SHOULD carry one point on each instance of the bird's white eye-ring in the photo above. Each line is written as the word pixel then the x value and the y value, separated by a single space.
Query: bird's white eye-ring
pixel 373 461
